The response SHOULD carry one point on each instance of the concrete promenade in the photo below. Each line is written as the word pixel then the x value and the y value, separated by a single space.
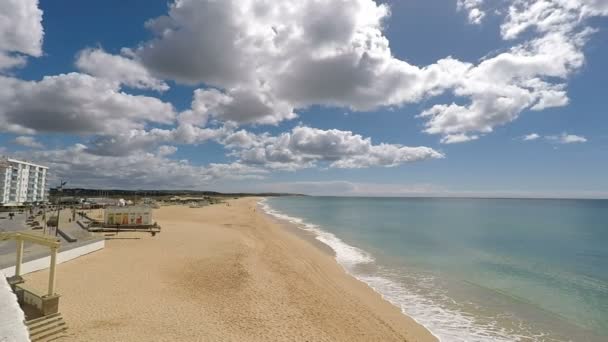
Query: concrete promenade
pixel 33 252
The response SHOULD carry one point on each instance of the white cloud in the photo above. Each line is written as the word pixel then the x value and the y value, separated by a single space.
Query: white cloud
pixel 529 76
pixel 546 16
pixel 28 142
pixel 140 140
pixel 530 137
pixel 76 103
pixel 21 32
pixel 305 147
pixel 11 61
pixel 473 9
pixel 266 60
pixel 122 69
pixel 566 138
pixel 595 7
pixel 166 150
pixel 136 171
pixel 563 138
pixel 260 62
pixel 458 138
pixel 238 105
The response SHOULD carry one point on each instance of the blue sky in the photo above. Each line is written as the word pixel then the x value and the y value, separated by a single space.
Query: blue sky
pixel 258 97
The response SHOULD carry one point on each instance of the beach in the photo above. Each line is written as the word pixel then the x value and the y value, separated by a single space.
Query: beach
pixel 220 273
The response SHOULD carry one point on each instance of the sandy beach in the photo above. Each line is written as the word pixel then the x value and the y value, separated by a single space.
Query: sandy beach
pixel 220 273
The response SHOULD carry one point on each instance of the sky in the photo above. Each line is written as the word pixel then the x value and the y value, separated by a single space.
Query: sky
pixel 328 97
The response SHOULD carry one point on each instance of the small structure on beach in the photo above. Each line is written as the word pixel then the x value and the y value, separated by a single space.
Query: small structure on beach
pixel 40 309
pixel 128 216
pixel 121 219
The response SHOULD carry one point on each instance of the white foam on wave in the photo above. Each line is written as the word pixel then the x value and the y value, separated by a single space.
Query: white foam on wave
pixel 347 255
pixel 445 323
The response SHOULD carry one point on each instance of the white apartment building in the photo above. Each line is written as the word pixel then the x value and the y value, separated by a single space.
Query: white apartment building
pixel 22 182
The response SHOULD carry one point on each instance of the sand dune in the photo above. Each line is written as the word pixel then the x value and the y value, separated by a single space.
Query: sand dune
pixel 221 273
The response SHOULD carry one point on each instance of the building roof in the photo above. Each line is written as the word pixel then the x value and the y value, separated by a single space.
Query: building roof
pixel 130 208
pixel 10 160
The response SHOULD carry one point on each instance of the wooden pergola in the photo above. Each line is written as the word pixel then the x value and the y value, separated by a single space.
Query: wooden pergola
pixel 50 241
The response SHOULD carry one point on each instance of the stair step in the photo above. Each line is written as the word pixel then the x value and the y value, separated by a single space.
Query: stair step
pixel 35 320
pixel 41 324
pixel 43 330
pixel 50 333
pixel 47 327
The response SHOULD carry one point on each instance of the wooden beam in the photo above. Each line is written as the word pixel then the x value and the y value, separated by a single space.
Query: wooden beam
pixel 37 238
pixel 52 271
pixel 19 257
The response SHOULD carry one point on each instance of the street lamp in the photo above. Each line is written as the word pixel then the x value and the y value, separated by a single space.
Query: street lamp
pixel 59 189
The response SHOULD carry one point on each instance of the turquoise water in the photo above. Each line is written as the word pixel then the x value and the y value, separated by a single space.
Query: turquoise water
pixel 473 269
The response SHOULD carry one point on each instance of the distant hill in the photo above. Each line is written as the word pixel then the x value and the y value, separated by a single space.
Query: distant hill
pixel 79 192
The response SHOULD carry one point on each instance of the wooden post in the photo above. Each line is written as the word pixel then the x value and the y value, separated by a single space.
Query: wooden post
pixel 52 271
pixel 19 257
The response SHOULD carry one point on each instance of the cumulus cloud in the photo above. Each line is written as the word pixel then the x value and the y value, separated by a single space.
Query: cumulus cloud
pixel 303 147
pixel 138 170
pixel 140 140
pixel 265 60
pixel 11 61
pixel 501 87
pixel 306 147
pixel 473 9
pixel 21 32
pixel 531 75
pixel 260 62
pixel 27 141
pixel 119 68
pixel 546 16
pixel 238 105
pixel 76 103
pixel 166 150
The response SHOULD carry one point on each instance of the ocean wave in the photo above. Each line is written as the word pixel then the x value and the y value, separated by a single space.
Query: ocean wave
pixel 347 255
pixel 446 324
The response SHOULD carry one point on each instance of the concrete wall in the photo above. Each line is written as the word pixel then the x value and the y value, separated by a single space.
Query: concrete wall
pixel 63 256
pixel 11 316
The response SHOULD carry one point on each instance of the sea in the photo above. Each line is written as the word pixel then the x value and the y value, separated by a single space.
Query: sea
pixel 472 269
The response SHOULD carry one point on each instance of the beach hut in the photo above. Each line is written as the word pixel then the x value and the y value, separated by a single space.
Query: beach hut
pixel 128 216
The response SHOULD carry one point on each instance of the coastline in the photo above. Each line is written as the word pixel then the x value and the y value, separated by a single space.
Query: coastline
pixel 331 245
pixel 221 273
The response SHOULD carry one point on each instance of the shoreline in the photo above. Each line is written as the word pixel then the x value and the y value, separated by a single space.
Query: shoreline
pixel 221 272
pixel 293 228
pixel 312 238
